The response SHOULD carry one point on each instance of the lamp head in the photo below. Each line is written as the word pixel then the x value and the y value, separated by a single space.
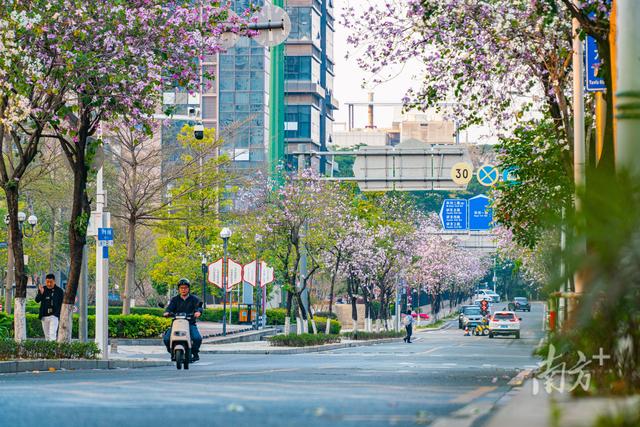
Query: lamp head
pixel 225 233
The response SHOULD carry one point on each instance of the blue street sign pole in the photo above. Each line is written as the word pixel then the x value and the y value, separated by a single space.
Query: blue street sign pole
pixel 593 62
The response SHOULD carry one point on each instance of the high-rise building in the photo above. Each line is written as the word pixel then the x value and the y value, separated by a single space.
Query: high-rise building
pixel 309 73
pixel 236 103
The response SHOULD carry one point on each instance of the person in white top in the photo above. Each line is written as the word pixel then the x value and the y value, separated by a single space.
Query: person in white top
pixel 408 325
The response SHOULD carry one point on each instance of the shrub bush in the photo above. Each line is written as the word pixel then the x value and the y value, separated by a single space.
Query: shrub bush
pixel 325 314
pixel 321 324
pixel 35 349
pixel 361 335
pixel 303 340
pixel 120 326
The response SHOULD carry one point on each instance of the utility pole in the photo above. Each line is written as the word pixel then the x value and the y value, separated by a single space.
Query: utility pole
pixel 102 270
pixel 628 86
pixel 578 134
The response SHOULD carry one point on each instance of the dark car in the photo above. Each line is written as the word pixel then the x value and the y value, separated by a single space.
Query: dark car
pixel 520 303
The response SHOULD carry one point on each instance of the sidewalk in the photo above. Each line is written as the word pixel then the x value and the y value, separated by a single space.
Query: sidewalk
pixel 528 409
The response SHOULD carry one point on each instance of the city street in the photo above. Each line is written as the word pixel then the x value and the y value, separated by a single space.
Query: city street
pixel 442 374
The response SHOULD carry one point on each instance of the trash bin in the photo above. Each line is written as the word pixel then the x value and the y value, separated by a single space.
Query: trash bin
pixel 243 315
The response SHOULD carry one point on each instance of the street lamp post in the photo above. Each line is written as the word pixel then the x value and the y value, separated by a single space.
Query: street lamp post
pixel 258 239
pixel 205 269
pixel 225 233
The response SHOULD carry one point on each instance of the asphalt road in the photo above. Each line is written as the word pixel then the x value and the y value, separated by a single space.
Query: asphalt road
pixel 442 376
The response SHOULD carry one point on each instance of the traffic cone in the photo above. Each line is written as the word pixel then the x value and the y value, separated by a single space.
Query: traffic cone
pixel 466 331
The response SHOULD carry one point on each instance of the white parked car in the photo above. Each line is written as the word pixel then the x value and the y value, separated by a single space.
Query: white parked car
pixel 504 323
pixel 486 293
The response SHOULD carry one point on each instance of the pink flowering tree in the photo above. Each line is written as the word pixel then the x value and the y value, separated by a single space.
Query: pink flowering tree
pixel 27 105
pixel 297 217
pixel 105 66
pixel 443 264
pixel 359 258
pixel 484 56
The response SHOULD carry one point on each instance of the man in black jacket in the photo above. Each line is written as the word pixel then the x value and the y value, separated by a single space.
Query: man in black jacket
pixel 187 303
pixel 50 299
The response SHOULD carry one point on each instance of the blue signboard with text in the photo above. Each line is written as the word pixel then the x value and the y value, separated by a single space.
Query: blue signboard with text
pixel 105 233
pixel 480 213
pixel 453 214
pixel 593 62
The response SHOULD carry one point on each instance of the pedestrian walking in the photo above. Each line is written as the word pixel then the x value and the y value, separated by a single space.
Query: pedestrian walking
pixel 408 325
pixel 50 299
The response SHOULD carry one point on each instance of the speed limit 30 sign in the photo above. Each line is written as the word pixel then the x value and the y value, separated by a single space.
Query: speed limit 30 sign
pixel 461 173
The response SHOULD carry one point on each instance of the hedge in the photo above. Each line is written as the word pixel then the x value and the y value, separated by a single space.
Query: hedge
pixel 321 324
pixel 303 340
pixel 32 349
pixel 148 322
pixel 363 336
pixel 120 326
pixel 275 316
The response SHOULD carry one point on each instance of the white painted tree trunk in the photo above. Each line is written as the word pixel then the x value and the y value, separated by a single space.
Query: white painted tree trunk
pixel 287 325
pixel 298 325
pixel 305 326
pixel 354 325
pixel 19 319
pixel 65 327
pixel 327 329
pixel 313 325
pixel 378 325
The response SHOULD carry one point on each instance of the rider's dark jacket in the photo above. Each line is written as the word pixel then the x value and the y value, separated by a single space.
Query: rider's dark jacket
pixel 189 305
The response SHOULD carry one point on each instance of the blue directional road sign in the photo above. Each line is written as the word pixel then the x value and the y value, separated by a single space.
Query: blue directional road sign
pixel 480 214
pixel 510 175
pixel 488 175
pixel 105 233
pixel 593 62
pixel 453 214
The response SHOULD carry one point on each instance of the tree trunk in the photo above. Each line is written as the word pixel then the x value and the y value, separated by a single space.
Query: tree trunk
pixel 130 275
pixel 8 286
pixel 287 319
pixel 333 282
pixel 19 320
pixel 65 326
pixel 80 212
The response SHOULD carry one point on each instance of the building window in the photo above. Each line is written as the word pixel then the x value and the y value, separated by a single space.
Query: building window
pixel 298 119
pixel 297 68
pixel 301 25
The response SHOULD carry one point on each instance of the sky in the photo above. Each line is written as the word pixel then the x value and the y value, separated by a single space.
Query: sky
pixel 349 78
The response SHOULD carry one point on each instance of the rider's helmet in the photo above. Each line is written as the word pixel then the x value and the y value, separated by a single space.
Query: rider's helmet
pixel 184 282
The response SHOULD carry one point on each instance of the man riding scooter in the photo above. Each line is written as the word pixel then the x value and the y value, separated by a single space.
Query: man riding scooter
pixel 187 303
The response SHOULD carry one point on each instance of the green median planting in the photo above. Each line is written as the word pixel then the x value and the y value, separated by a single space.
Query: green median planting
pixel 303 340
pixel 120 326
pixel 37 349
pixel 364 336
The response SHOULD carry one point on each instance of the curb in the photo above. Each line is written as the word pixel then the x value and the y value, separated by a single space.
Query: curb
pixel 158 341
pixel 39 365
pixel 311 349
pixel 519 379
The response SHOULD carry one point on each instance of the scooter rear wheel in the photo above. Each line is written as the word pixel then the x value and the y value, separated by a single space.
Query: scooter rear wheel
pixel 179 359
pixel 187 359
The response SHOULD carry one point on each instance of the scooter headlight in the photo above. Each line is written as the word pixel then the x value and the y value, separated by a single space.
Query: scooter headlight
pixel 180 334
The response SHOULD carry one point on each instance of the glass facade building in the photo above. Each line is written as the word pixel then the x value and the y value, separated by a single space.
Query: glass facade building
pixel 236 103
pixel 309 68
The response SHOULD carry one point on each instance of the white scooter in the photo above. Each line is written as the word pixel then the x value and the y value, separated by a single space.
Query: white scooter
pixel 180 340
